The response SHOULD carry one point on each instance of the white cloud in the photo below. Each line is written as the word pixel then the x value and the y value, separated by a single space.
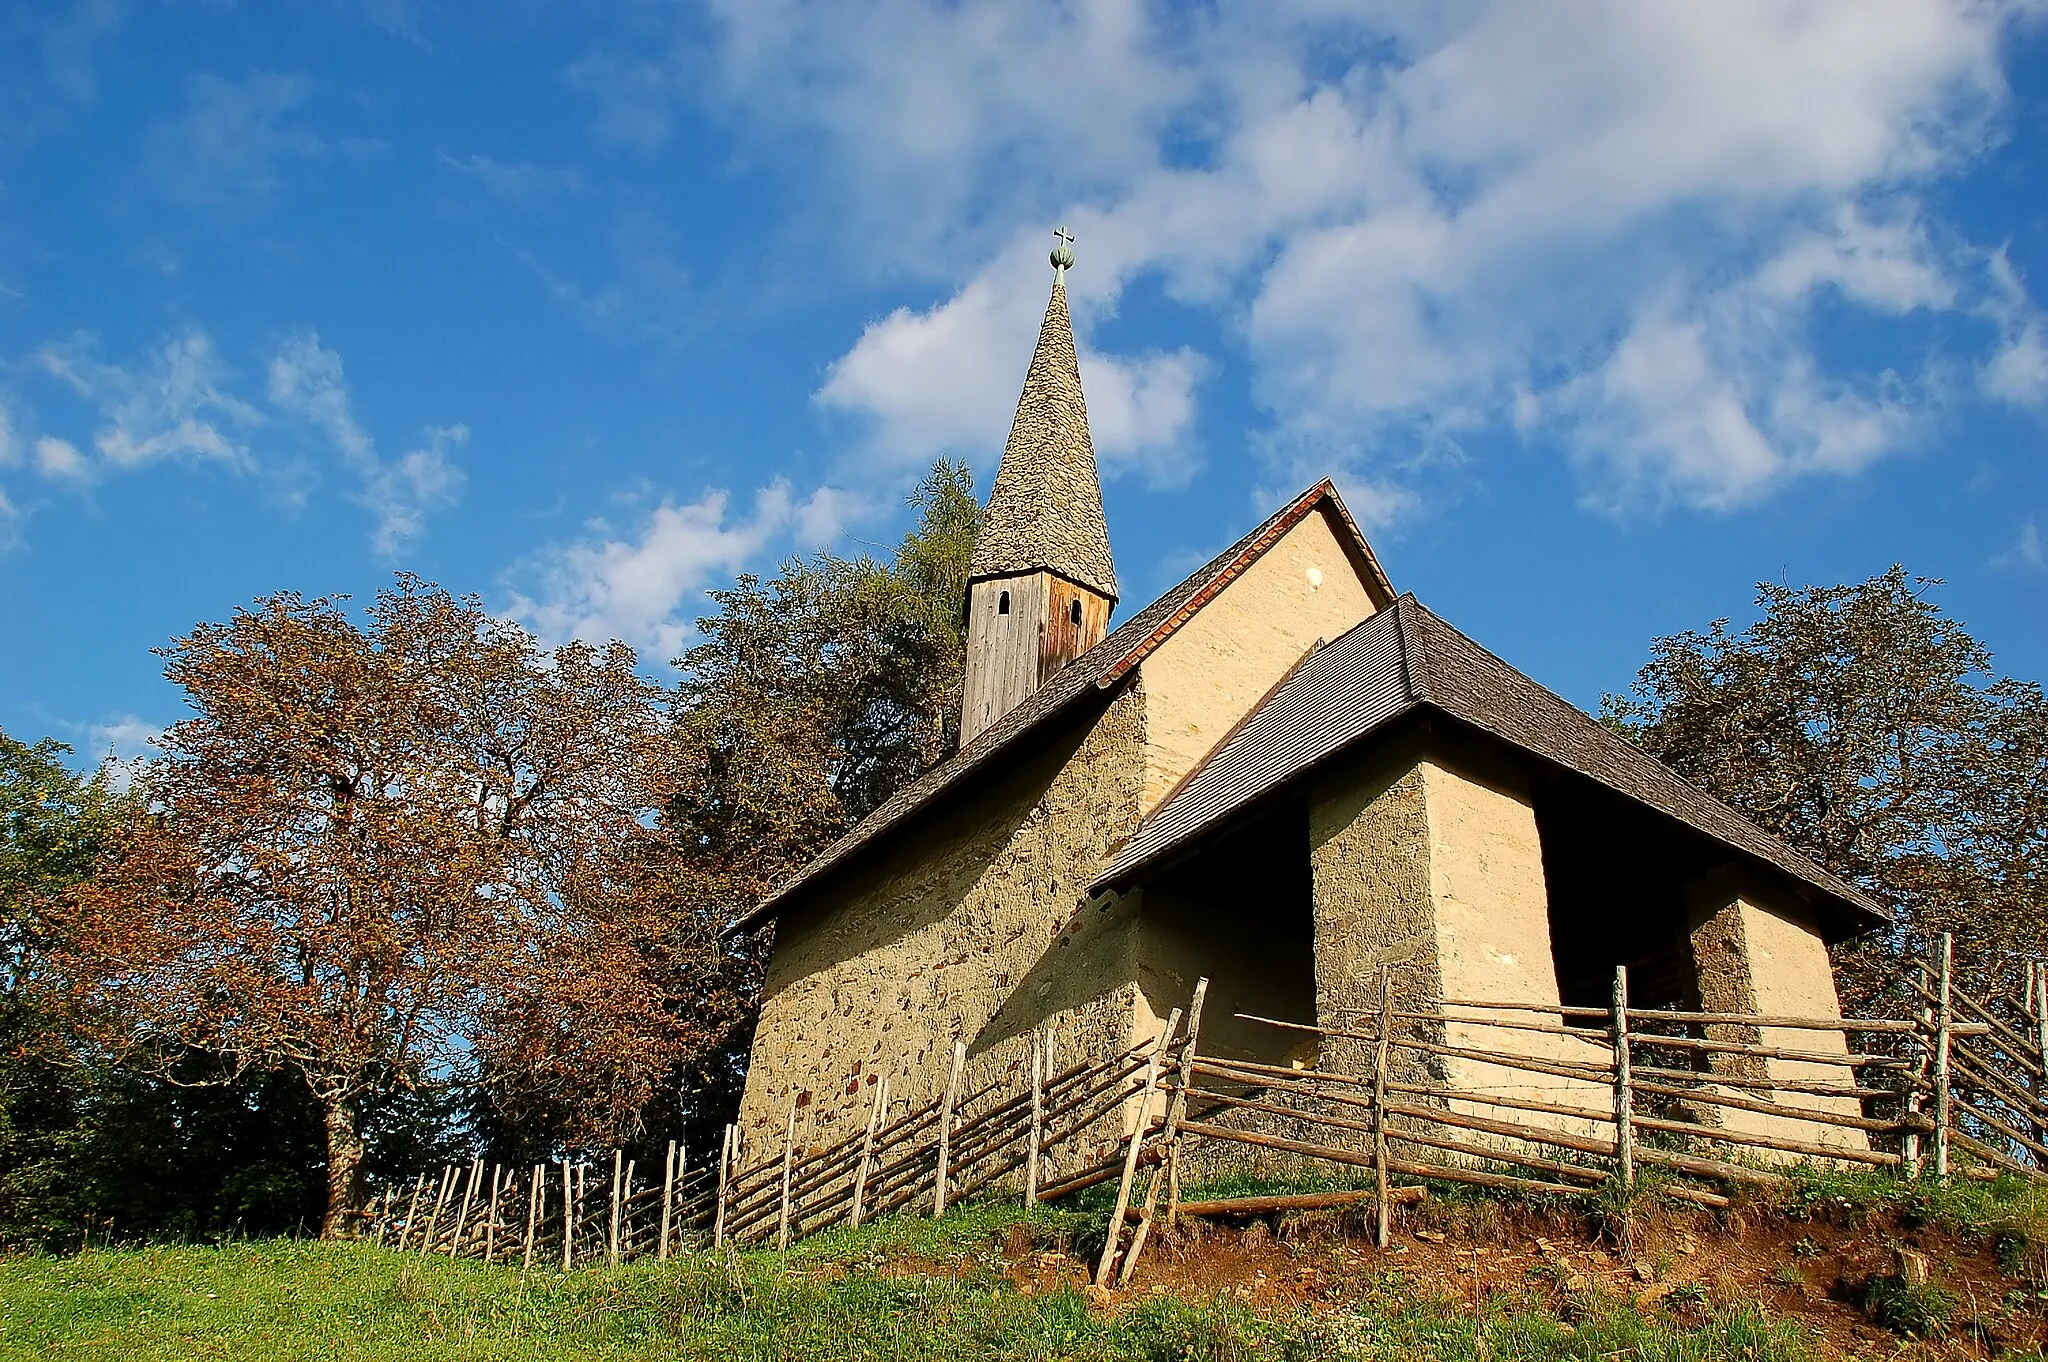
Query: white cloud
pixel 60 459
pixel 124 744
pixel 640 585
pixel 306 381
pixel 1417 219
pixel 180 402
pixel 2017 371
pixel 945 381
pixel 176 404
pixel 2027 550
pixel 516 181
pixel 235 139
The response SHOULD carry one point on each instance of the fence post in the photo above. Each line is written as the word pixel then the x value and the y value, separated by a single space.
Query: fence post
pixel 434 1215
pixel 668 1200
pixel 877 1114
pixel 725 1158
pixel 412 1209
pixel 788 1157
pixel 1624 1085
pixel 491 1216
pixel 2041 1042
pixel 1138 1128
pixel 535 1197
pixel 1944 1021
pixel 1169 1133
pixel 946 1127
pixel 1037 1130
pixel 569 1200
pixel 476 1173
pixel 612 1240
pixel 1383 1221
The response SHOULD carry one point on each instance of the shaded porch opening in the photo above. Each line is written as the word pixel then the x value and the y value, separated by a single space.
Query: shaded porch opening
pixel 1240 912
pixel 1616 875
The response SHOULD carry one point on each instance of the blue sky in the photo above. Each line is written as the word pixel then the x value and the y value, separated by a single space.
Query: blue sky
pixel 1598 312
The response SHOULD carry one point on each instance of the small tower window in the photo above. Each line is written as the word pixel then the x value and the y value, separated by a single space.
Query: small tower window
pixel 1074 614
pixel 1003 604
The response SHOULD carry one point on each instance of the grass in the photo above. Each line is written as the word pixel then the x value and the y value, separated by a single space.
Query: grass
pixel 899 1289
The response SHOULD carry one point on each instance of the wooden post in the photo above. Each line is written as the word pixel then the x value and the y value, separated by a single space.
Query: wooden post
pixel 725 1158
pixel 2041 1044
pixel 1169 1133
pixel 412 1210
pixel 877 1114
pixel 788 1161
pixel 1923 1067
pixel 534 1192
pixel 476 1172
pixel 669 1173
pixel 1383 1219
pixel 434 1215
pixel 1144 1120
pixel 1037 1132
pixel 612 1241
pixel 1624 1085
pixel 1944 1021
pixel 946 1127
pixel 568 1216
pixel 626 1222
pixel 491 1216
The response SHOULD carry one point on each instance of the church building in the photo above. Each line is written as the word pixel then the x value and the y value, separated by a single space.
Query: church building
pixel 1281 776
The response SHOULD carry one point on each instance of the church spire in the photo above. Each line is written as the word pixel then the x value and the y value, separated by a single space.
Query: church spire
pixel 1041 584
pixel 1045 510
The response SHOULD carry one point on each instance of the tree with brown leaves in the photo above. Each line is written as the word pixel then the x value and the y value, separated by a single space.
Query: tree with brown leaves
pixel 377 855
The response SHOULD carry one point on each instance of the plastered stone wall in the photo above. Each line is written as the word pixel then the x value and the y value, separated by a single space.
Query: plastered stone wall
pixel 1753 957
pixel 1430 864
pixel 970 925
pixel 1224 660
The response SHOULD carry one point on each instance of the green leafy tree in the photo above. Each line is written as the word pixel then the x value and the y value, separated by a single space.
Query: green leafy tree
pixel 1866 727
pixel 812 698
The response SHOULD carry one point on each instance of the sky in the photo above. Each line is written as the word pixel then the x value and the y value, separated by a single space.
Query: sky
pixel 1599 312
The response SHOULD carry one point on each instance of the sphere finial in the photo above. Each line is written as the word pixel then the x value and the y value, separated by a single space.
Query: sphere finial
pixel 1063 252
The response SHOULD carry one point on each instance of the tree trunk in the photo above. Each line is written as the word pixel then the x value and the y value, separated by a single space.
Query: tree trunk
pixel 344 1118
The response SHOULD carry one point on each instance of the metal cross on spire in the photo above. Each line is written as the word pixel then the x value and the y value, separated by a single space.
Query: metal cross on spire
pixel 1063 253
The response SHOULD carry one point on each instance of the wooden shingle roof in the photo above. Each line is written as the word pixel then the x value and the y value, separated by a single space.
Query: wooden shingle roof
pixel 1405 659
pixel 1097 670
pixel 1045 509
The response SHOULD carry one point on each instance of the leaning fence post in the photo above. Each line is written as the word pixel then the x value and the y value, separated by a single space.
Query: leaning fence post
pixel 1169 1133
pixel 491 1216
pixel 434 1215
pixel 535 1190
pixel 476 1173
pixel 1138 1128
pixel 612 1241
pixel 725 1158
pixel 411 1212
pixel 2041 1041
pixel 877 1113
pixel 1944 1022
pixel 1383 1226
pixel 788 1159
pixel 946 1127
pixel 668 1199
pixel 1624 1085
pixel 1036 1134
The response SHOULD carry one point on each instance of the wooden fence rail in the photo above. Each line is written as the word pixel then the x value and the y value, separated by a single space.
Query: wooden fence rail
pixel 1541 1098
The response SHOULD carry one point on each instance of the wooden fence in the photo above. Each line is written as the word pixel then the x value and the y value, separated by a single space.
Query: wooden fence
pixel 1564 1101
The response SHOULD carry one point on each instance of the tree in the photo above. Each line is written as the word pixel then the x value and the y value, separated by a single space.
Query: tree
pixel 371 853
pixel 813 697
pixel 1864 726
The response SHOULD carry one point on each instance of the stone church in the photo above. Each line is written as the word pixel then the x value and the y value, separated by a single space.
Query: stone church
pixel 1281 776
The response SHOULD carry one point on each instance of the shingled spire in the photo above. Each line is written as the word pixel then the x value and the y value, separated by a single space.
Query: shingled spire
pixel 1041 583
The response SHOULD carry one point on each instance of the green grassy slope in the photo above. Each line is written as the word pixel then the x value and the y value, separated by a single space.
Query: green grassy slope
pixel 900 1289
